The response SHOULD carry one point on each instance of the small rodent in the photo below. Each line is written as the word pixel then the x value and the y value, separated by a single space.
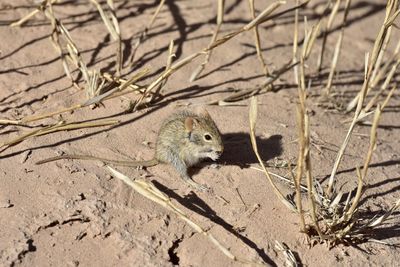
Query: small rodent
pixel 184 139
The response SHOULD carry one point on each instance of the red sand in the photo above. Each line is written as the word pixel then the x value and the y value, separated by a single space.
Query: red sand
pixel 74 213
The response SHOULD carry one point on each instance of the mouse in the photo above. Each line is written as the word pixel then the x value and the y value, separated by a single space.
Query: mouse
pixel 185 138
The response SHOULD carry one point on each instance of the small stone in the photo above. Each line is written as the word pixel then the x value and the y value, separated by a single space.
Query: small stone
pixel 6 204
pixel 26 155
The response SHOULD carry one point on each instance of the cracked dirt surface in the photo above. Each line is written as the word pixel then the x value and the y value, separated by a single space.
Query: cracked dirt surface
pixel 74 213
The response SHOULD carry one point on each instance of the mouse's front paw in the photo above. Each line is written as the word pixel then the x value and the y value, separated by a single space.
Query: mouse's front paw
pixel 198 186
pixel 202 188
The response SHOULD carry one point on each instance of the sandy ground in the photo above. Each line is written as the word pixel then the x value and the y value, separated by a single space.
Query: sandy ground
pixel 74 213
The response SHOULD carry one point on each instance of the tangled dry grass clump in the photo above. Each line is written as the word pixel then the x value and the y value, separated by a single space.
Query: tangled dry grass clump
pixel 324 214
pixel 332 219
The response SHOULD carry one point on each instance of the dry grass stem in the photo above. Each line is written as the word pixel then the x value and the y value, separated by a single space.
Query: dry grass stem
pixel 385 43
pixel 33 118
pixel 283 12
pixel 149 191
pixel 347 138
pixel 257 41
pixel 262 17
pixel 392 12
pixel 327 29
pixel 378 63
pixel 165 75
pixel 27 17
pixel 395 57
pixel 14 141
pixel 60 126
pixel 370 63
pixel 95 85
pixel 377 221
pixel 300 168
pixel 374 100
pixel 9 122
pixel 143 34
pixel 220 18
pixel 111 22
pixel 388 97
pixel 304 160
pixel 290 259
pixel 295 43
pixel 340 222
pixel 69 52
pixel 246 93
pixel 308 43
pixel 79 125
pixel 253 119
pixel 124 84
pixel 287 180
pixel 362 175
pixel 170 58
pixel 309 177
pixel 385 85
pixel 337 48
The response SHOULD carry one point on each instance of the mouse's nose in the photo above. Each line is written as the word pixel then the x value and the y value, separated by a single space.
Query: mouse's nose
pixel 220 150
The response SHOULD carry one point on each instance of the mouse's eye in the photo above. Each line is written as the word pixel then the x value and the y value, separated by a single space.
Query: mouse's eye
pixel 207 137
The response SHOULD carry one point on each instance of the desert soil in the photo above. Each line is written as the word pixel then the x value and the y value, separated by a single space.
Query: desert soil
pixel 74 213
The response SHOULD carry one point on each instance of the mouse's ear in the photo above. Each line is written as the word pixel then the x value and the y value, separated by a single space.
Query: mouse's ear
pixel 190 124
pixel 202 112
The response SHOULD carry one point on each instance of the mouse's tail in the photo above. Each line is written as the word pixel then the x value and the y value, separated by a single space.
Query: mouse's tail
pixel 128 163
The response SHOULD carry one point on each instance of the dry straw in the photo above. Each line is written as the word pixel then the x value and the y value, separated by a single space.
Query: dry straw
pixel 370 63
pixel 328 28
pixel 123 86
pixel 253 119
pixel 258 42
pixel 171 56
pixel 304 161
pixel 40 7
pixel 392 12
pixel 220 19
pixel 383 88
pixel 68 53
pixel 331 220
pixel 338 47
pixel 290 259
pixel 63 126
pixel 100 87
pixel 328 218
pixel 295 44
pixel 394 61
pixel 153 86
pixel 111 22
pixel 143 34
pixel 60 126
pixel 262 17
